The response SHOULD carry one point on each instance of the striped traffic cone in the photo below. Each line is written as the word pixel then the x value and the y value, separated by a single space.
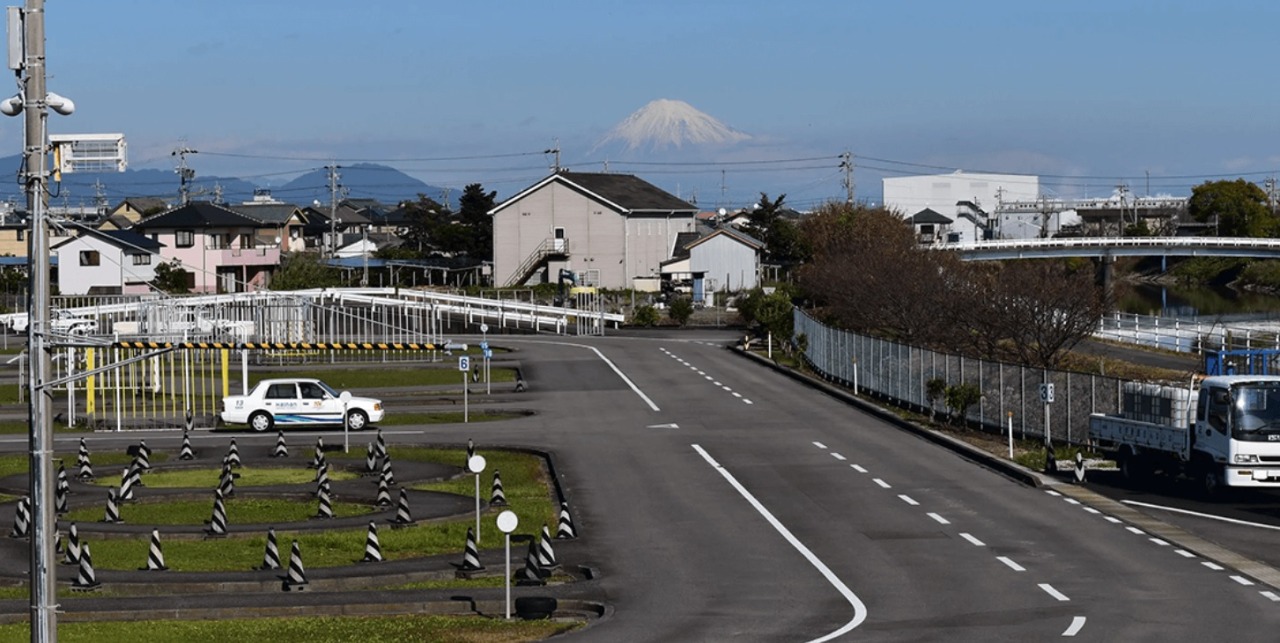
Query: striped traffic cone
pixel 470 555
pixel 144 456
pixel 271 555
pixel 57 542
pixel 402 511
pixel 471 451
pixel 113 507
pixel 191 421
pixel 546 555
pixel 126 484
pixel 565 530
pixel 380 445
pixel 233 455
pixel 322 477
pixel 1079 468
pixel 155 557
pixel 22 519
pixel 384 493
pixel 72 555
pixel 60 500
pixel 387 472
pixel 295 578
pixel 187 453
pixel 372 548
pixel 319 456
pixel 85 580
pixel 135 472
pixel 530 574
pixel 370 460
pixel 64 482
pixel 326 505
pixel 281 450
pixel 227 481
pixel 84 467
pixel 498 498
pixel 217 523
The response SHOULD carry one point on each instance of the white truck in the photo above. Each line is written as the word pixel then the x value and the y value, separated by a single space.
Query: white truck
pixel 1225 434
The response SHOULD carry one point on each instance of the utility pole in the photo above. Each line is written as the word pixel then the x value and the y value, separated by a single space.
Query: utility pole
pixel 556 151
pixel 1270 186
pixel 185 174
pixel 846 164
pixel 44 623
pixel 333 209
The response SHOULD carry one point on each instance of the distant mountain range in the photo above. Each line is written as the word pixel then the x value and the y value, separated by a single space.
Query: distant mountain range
pixel 667 124
pixel 360 181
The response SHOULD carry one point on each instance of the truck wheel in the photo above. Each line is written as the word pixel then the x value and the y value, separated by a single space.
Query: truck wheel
pixel 357 420
pixel 261 421
pixel 1210 481
pixel 1133 467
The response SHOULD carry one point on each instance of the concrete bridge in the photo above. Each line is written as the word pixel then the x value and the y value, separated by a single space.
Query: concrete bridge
pixel 1108 247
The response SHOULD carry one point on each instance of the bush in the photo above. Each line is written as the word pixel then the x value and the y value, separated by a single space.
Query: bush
pixel 645 315
pixel 681 310
pixel 960 397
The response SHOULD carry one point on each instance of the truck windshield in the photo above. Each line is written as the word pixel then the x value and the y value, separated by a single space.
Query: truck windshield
pixel 1256 411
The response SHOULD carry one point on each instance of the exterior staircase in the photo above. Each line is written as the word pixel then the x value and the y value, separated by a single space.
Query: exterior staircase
pixel 547 250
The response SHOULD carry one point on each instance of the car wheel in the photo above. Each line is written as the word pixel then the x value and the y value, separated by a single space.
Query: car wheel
pixel 357 420
pixel 261 421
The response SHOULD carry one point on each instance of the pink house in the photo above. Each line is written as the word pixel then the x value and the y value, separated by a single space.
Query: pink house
pixel 218 248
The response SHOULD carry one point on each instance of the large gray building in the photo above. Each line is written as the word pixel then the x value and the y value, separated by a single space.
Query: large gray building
pixel 608 229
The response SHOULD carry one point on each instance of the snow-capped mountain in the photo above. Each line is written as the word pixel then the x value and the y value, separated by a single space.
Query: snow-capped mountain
pixel 666 123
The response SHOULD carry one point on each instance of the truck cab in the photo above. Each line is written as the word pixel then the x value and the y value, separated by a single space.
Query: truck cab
pixel 1238 427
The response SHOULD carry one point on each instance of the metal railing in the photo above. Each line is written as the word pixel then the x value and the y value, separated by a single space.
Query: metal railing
pixel 547 248
pixel 1183 335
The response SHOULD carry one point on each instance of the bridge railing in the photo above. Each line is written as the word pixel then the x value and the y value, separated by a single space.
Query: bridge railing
pixel 1183 335
pixel 899 373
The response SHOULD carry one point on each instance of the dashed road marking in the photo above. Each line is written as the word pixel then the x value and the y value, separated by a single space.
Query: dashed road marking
pixel 1184 553
pixel 737 394
pixel 1072 501
pixel 940 519
pixel 1048 589
pixel 1012 565
pixel 1242 580
pixel 838 456
pixel 1077 624
pixel 880 482
pixel 1160 542
pixel 1092 510
pixel 747 401
pixel 1135 530
pixel 1053 493
pixel 1113 519
pixel 858 468
pixel 1211 565
pixel 971 539
pixel 819 445
pixel 1271 596
pixel 909 500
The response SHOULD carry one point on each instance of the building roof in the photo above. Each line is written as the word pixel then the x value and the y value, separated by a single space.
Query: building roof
pixel 625 193
pixel 125 239
pixel 273 213
pixel 732 233
pixel 199 214
pixel 927 216
pixel 142 204
pixel 683 239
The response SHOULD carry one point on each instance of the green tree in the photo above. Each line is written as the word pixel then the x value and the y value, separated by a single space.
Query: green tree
pixel 681 310
pixel 425 218
pixel 1237 208
pixel 473 215
pixel 171 279
pixel 645 315
pixel 301 270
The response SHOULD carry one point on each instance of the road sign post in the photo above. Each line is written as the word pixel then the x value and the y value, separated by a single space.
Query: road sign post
pixel 476 466
pixel 484 346
pixel 464 365
pixel 507 522
pixel 345 396
pixel 1046 396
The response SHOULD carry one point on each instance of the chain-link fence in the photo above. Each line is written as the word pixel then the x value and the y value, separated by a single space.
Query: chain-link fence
pixel 900 374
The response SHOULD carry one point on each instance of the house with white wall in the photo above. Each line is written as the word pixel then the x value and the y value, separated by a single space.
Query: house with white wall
pixel 727 259
pixel 220 249
pixel 943 193
pixel 108 262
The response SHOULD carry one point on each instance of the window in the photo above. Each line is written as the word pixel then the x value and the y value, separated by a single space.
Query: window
pixel 184 238
pixel 246 241
pixel 282 392
pixel 142 260
pixel 90 258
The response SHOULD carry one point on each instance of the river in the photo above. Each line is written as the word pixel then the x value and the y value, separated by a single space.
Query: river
pixel 1207 303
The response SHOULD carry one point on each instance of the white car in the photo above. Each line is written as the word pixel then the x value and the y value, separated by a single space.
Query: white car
pixel 299 401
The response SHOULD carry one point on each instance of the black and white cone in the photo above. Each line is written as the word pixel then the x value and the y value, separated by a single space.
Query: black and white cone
pixel 470 555
pixel 530 574
pixel 281 450
pixel 271 555
pixel 1079 468
pixel 60 500
pixel 384 493
pixel 499 497
pixel 380 446
pixel 72 555
pixel 113 507
pixel 218 522
pixel 83 466
pixel 135 472
pixel 471 452
pixel 565 529
pixel 233 455
pixel 326 504
pixel 187 453
pixel 319 456
pixel 295 578
pixel 322 477
pixel 155 557
pixel 372 548
pixel 64 482
pixel 402 510
pixel 144 456
pixel 126 484
pixel 85 580
pixel 191 421
pixel 546 555
pixel 387 473
pixel 227 481
pixel 22 519
pixel 370 460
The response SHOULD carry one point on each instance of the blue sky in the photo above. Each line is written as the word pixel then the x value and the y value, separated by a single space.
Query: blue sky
pixel 1090 91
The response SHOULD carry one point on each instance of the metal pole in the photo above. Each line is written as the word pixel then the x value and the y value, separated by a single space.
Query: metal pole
pixel 43 591
pixel 477 509
pixel 507 581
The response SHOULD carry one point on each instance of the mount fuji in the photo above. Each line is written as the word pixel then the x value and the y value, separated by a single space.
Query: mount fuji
pixel 667 124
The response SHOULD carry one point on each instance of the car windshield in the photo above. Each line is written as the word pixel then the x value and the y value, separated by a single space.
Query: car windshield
pixel 1256 410
pixel 327 389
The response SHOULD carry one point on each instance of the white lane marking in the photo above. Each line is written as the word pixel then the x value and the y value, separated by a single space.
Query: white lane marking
pixel 1214 566
pixel 701 373
pixel 1184 553
pixel 971 539
pixel 747 401
pixel 1012 565
pixel 1242 580
pixel 908 499
pixel 1271 596
pixel 880 482
pixel 1135 530
pixel 859 609
pixel 1159 542
pixel 1092 510
pixel 737 394
pixel 709 378
pixel 1077 624
pixel 819 445
pixel 716 383
pixel 838 457
pixel 726 388
pixel 940 519
pixel 1072 501
pixel 1053 493
pixel 623 376
pixel 1048 589
pixel 1197 514
pixel 858 468
pixel 1113 519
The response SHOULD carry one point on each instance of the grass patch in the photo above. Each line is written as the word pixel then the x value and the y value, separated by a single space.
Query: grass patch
pixel 524 482
pixel 313 629
pixel 15 464
pixel 249 477
pixel 384 377
pixel 239 511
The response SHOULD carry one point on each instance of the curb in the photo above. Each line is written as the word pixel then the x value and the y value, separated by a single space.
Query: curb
pixel 1004 467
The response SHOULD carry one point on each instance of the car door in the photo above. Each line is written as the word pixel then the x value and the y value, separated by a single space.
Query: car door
pixel 281 399
pixel 321 406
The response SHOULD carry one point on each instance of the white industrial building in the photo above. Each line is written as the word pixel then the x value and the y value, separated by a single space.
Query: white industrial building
pixel 969 199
